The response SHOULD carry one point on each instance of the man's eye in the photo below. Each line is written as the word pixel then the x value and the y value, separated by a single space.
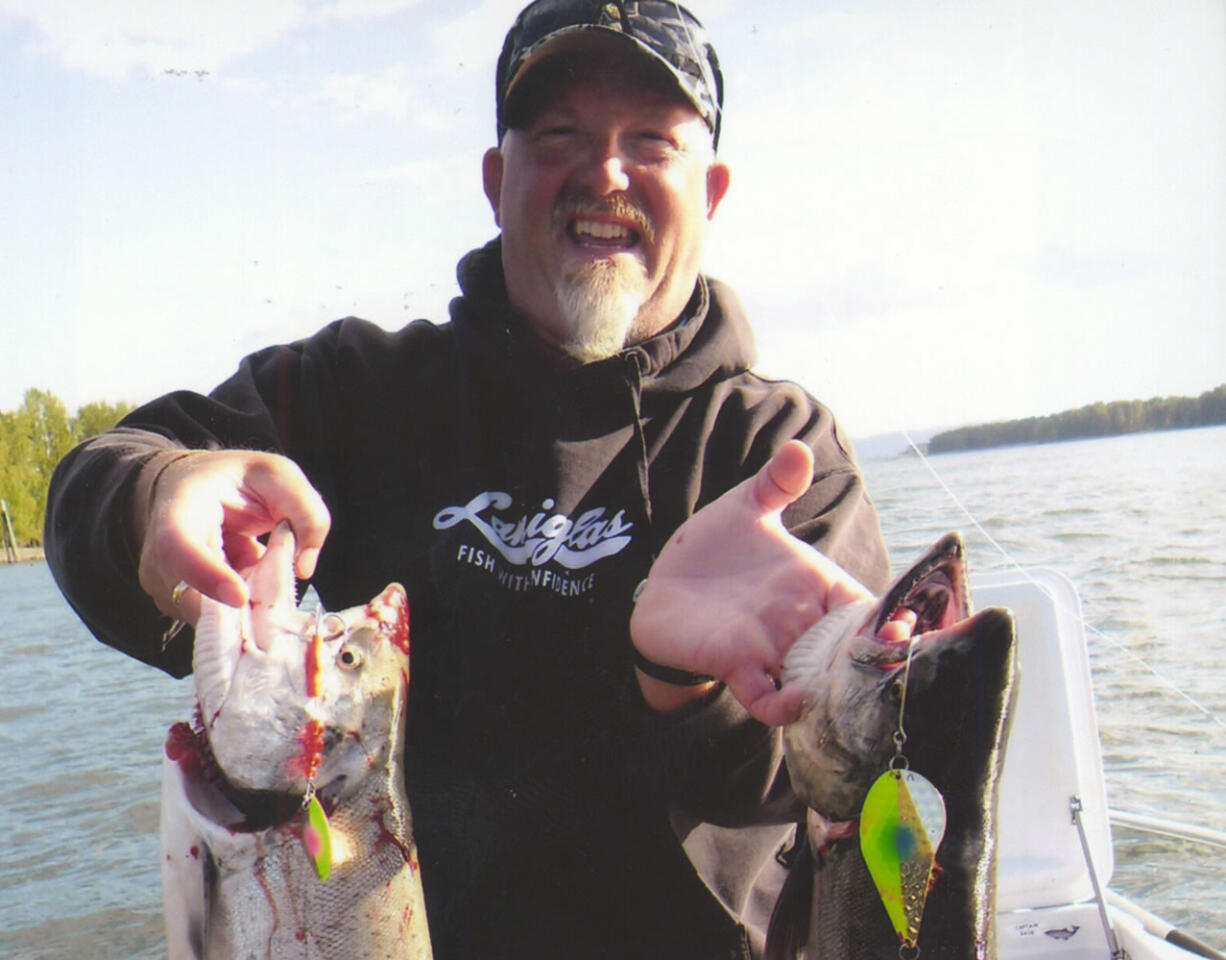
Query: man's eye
pixel 652 145
pixel 556 132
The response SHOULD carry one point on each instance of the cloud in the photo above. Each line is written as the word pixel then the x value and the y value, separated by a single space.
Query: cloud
pixel 361 9
pixel 390 93
pixel 474 38
pixel 113 40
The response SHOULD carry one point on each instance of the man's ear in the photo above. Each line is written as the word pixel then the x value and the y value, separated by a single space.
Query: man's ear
pixel 491 178
pixel 718 178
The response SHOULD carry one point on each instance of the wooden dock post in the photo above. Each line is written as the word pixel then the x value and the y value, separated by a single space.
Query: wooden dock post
pixel 6 534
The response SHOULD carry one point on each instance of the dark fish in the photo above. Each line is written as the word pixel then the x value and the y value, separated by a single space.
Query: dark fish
pixel 959 690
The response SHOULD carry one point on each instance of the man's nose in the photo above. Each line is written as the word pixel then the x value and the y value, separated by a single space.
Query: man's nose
pixel 605 169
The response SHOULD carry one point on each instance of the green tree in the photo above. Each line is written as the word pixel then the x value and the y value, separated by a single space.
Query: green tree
pixel 1094 420
pixel 33 439
pixel 93 418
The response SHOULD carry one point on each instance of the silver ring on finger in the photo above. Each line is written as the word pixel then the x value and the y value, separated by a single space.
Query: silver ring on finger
pixel 176 594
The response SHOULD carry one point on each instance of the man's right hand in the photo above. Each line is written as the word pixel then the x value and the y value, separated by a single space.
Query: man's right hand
pixel 198 519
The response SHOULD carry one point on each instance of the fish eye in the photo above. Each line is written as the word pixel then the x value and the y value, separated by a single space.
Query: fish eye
pixel 894 693
pixel 348 657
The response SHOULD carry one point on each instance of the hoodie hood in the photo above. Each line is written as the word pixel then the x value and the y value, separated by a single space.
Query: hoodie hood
pixel 710 340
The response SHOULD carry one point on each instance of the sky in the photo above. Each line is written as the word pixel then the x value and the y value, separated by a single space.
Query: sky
pixel 941 212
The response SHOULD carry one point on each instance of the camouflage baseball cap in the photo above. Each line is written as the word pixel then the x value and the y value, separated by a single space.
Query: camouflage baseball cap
pixel 664 31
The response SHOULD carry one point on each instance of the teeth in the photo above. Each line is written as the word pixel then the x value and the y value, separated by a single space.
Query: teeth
pixel 601 231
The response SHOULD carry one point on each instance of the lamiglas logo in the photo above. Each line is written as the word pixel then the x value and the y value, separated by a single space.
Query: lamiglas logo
pixel 528 542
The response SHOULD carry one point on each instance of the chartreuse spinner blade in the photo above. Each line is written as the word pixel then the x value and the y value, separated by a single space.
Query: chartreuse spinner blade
pixel 317 835
pixel 901 826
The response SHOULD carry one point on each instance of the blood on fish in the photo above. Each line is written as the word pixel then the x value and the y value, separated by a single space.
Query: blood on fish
pixel 386 835
pixel 306 763
pixel 183 748
pixel 391 609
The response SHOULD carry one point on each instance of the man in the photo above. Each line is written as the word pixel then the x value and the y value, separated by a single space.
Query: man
pixel 583 783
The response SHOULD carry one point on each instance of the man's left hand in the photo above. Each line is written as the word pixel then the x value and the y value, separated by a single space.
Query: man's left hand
pixel 732 590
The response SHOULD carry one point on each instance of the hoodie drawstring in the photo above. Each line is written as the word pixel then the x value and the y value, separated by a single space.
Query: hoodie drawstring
pixel 635 383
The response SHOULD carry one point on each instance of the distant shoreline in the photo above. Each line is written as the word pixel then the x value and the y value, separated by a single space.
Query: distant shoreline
pixel 926 451
pixel 1090 422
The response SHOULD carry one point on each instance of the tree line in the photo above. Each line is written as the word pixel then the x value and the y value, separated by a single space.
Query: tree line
pixel 1095 420
pixel 33 438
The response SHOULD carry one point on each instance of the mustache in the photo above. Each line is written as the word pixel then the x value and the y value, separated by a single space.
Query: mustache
pixel 616 205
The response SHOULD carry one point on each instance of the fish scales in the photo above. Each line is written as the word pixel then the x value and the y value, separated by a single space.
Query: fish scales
pixel 288 702
pixel 959 690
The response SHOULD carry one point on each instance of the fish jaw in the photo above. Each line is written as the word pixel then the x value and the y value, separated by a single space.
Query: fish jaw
pixel 934 589
pixel 853 678
pixel 248 665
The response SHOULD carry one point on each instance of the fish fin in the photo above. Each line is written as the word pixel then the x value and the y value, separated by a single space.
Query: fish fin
pixel 788 931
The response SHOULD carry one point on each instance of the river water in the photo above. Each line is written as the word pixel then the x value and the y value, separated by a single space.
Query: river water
pixel 1137 522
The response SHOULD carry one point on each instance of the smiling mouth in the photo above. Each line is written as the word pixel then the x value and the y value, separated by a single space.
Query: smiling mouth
pixel 609 224
pixel 600 233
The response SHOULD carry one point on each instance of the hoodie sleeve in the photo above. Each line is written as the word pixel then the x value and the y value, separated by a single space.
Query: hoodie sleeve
pixel 89 549
pixel 87 534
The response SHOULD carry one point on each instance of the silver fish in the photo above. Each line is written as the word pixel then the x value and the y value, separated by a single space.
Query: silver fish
pixel 955 710
pixel 291 703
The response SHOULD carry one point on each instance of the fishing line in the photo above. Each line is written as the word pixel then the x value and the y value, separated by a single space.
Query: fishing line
pixel 900 735
pixel 1157 674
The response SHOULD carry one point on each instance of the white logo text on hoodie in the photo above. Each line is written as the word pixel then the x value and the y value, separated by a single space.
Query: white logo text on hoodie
pixel 545 535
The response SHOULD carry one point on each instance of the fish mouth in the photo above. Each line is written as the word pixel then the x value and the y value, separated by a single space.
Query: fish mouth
pixel 240 809
pixel 929 598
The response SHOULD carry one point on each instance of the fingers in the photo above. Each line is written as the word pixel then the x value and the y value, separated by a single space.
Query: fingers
pixel 756 691
pixel 785 477
pixel 287 495
pixel 206 571
pixel 206 515
pixel 242 551
pixel 171 555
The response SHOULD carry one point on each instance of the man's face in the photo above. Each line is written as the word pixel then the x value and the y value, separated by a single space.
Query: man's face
pixel 603 195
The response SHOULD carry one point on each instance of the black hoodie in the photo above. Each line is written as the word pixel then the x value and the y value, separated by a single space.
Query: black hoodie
pixel 556 815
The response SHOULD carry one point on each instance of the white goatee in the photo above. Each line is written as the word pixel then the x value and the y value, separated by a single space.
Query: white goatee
pixel 600 302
